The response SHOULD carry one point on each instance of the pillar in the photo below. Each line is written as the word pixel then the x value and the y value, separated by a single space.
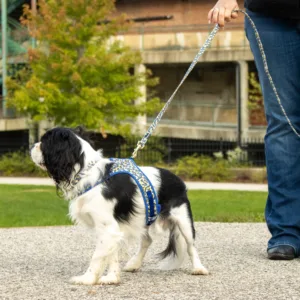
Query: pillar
pixel 141 121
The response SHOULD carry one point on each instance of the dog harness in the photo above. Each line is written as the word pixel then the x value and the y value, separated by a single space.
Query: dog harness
pixel 128 166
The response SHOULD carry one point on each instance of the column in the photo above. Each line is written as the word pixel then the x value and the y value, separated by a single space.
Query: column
pixel 242 95
pixel 141 121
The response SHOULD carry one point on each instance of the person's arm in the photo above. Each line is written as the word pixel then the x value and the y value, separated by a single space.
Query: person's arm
pixel 222 12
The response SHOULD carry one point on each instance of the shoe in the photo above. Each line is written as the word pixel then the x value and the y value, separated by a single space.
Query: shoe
pixel 282 252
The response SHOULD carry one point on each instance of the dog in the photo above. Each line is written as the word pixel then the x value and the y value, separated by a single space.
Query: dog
pixel 115 208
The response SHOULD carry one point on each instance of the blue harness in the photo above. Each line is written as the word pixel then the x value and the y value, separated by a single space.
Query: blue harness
pixel 128 166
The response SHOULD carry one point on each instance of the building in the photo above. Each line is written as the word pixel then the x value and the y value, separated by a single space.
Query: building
pixel 212 104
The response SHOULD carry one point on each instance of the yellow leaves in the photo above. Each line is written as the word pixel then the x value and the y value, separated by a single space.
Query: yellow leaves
pixel 89 10
pixel 77 74
pixel 55 66
pixel 62 13
pixel 76 78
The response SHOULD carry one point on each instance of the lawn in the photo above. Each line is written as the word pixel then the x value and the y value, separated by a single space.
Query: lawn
pixel 22 205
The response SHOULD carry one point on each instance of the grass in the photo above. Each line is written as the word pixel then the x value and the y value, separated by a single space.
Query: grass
pixel 22 205
pixel 228 206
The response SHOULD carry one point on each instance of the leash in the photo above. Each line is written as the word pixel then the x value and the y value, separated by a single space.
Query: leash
pixel 143 141
pixel 266 68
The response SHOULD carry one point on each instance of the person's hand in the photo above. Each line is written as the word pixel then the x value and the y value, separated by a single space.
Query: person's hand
pixel 222 12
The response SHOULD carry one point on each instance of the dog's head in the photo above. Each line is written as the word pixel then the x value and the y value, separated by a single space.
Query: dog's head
pixel 61 153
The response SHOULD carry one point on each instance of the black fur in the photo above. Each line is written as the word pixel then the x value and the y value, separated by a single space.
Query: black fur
pixel 61 151
pixel 172 193
pixel 171 247
pixel 121 188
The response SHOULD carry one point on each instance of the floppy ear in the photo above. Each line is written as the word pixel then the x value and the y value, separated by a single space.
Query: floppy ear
pixel 85 135
pixel 61 151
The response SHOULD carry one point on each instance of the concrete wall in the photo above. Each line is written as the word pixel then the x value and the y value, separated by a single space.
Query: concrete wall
pixel 208 96
pixel 181 40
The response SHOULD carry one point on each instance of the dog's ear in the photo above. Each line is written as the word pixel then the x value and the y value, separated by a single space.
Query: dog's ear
pixel 80 130
pixel 84 134
pixel 62 151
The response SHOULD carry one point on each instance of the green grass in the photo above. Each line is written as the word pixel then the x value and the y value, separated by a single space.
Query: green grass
pixel 22 205
pixel 228 206
pixel 40 206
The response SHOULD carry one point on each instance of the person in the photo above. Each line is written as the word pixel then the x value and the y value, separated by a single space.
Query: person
pixel 278 24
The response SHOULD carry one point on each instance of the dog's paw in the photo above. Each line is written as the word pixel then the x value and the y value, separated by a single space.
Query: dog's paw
pixel 86 279
pixel 132 266
pixel 200 271
pixel 109 279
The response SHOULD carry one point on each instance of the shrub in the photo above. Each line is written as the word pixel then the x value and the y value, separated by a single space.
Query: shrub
pixel 202 168
pixel 19 164
pixel 153 153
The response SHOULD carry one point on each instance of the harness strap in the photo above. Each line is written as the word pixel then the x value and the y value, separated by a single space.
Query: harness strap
pixel 128 166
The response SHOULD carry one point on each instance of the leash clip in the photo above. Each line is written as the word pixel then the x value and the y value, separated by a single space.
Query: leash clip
pixel 139 146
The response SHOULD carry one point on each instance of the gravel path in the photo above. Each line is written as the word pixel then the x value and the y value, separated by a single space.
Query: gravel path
pixel 36 263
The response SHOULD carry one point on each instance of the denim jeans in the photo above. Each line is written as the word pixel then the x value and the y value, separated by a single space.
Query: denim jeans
pixel 281 42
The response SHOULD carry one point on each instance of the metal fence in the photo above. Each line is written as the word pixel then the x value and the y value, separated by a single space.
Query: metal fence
pixel 168 150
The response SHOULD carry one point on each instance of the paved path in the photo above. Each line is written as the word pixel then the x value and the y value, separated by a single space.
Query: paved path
pixel 190 185
pixel 36 264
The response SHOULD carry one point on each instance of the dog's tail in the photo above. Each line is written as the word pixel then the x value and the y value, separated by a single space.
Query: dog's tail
pixel 175 251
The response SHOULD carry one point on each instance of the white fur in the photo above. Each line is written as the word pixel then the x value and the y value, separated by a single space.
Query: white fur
pixel 93 210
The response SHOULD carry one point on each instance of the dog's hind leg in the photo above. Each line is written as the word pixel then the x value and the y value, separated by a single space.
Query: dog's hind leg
pixel 136 261
pixel 186 227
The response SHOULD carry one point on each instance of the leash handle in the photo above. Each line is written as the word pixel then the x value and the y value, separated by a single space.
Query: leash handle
pixel 143 141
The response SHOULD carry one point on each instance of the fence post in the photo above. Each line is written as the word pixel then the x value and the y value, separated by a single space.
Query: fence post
pixel 4 54
pixel 169 150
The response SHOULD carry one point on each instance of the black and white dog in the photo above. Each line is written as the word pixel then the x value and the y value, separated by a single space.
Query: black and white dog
pixel 115 209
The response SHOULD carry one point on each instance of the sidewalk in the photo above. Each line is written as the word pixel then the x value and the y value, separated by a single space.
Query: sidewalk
pixel 190 185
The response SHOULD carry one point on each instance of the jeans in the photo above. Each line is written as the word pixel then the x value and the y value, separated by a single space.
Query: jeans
pixel 281 42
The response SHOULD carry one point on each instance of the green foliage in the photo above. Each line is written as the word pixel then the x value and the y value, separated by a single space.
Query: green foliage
pixel 153 153
pixel 79 73
pixel 256 103
pixel 19 164
pixel 202 168
pixel 235 157
pixel 255 93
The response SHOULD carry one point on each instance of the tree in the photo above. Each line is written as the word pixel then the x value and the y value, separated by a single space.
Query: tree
pixel 256 102
pixel 78 74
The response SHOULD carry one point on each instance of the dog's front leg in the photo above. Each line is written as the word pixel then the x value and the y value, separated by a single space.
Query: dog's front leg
pixel 113 273
pixel 96 267
pixel 109 237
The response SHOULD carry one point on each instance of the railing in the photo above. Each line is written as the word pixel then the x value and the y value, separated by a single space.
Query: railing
pixel 200 114
pixel 1 111
pixel 183 38
pixel 170 149
pixel 17 38
pixel 10 113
